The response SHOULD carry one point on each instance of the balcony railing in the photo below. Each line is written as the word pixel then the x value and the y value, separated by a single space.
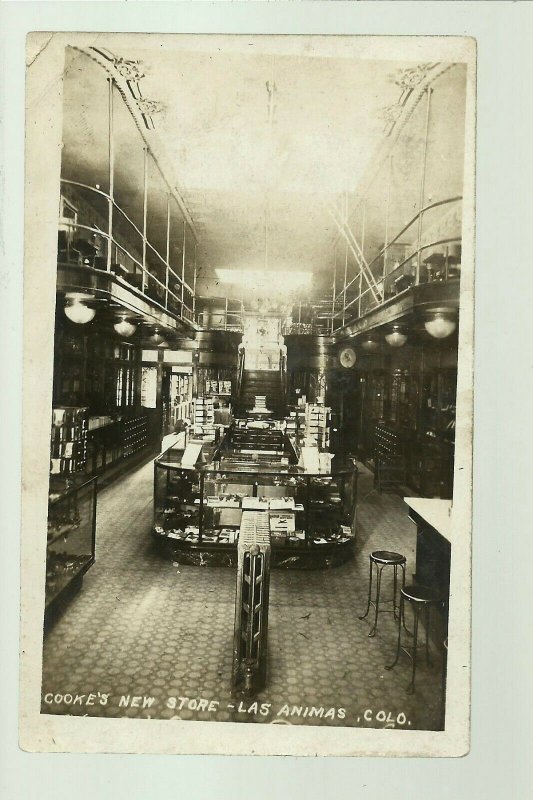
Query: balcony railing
pixel 439 242
pixel 124 250
pixel 220 313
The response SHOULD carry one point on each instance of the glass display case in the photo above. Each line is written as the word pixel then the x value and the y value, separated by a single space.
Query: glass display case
pixel 198 509
pixel 71 537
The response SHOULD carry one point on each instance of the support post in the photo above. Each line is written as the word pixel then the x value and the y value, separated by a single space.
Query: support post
pixel 111 151
pixel 183 267
pixel 363 228
pixel 429 91
pixel 145 212
pixel 334 289
pixel 194 283
pixel 167 259
pixel 387 216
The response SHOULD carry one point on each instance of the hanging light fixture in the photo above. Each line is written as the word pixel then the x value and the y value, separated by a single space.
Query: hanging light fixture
pixel 124 327
pixel 440 325
pixel 156 337
pixel 396 338
pixel 75 308
pixel 370 344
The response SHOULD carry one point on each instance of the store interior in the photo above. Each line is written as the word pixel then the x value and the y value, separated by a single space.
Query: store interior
pixel 254 387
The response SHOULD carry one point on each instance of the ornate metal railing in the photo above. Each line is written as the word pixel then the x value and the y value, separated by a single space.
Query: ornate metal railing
pixel 142 266
pixel 353 301
pixel 219 313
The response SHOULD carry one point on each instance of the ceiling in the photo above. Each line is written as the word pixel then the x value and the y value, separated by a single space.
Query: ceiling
pixel 257 143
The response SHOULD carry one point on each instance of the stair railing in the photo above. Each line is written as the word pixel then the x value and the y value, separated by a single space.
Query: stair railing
pixel 240 370
pixel 283 378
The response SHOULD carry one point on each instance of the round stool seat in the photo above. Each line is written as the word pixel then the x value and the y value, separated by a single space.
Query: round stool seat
pixel 423 599
pixel 378 561
pixel 387 557
pixel 422 594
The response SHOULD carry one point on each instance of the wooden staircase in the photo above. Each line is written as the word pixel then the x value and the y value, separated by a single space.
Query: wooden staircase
pixel 256 383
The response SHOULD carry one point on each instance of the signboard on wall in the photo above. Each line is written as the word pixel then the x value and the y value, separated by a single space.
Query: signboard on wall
pixel 150 355
pixel 149 387
pixel 177 356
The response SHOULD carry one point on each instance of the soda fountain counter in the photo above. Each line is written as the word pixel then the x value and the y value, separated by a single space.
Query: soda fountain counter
pixel 201 491
pixel 432 518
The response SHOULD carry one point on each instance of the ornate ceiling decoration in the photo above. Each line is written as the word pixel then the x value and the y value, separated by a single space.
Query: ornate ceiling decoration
pixel 408 80
pixel 131 73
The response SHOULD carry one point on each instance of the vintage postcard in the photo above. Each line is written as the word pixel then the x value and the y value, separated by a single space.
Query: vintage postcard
pixel 248 336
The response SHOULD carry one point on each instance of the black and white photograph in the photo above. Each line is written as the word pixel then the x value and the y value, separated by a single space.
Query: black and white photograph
pixel 250 265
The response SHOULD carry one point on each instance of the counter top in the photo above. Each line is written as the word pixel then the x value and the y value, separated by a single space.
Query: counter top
pixel 436 513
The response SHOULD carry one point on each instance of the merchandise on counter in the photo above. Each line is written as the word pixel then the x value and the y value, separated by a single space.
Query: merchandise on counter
pixel 282 503
pixel 254 504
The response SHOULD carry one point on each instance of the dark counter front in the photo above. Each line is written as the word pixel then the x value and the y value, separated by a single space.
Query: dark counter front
pixel 433 550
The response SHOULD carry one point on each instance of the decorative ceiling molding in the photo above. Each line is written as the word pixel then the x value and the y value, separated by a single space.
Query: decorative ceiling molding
pixel 119 69
pixel 413 83
pixel 408 80
pixel 150 107
pixel 131 72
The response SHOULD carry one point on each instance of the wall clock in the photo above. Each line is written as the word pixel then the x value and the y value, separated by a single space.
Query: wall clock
pixel 347 357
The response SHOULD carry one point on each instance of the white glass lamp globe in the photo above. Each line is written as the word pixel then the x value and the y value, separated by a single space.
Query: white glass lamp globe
pixel 440 326
pixel 125 328
pixel 76 310
pixel 396 338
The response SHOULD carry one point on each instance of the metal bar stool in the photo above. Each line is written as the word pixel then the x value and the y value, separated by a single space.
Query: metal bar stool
pixel 382 559
pixel 421 598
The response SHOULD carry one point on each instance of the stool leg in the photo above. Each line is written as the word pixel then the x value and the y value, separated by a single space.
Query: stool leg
pixel 406 629
pixel 411 687
pixel 376 604
pixel 369 591
pixel 443 682
pixel 399 641
pixel 394 591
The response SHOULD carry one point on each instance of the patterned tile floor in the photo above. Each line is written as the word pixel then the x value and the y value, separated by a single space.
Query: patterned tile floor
pixel 145 628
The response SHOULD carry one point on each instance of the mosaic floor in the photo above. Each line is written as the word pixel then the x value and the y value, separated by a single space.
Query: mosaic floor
pixel 147 638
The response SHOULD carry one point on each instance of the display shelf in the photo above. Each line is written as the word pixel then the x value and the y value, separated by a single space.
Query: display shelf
pixel 70 538
pixel 68 440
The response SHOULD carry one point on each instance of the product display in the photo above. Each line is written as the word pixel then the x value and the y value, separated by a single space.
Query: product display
pixel 317 424
pixel 68 441
pixel 71 537
pixel 203 506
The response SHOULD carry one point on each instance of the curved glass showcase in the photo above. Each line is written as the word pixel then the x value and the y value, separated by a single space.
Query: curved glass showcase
pixel 198 509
